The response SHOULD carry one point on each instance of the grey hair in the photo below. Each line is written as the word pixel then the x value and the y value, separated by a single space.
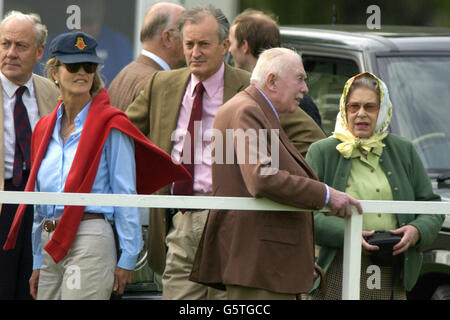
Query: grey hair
pixel 271 61
pixel 39 28
pixel 365 81
pixel 197 14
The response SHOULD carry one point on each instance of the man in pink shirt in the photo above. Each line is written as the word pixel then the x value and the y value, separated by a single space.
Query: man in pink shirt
pixel 163 112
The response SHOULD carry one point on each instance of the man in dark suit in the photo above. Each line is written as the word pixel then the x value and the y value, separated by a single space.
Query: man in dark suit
pixel 22 38
pixel 164 108
pixel 161 50
pixel 264 254
pixel 253 31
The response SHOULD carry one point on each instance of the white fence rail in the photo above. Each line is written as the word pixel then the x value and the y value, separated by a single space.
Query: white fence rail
pixel 353 229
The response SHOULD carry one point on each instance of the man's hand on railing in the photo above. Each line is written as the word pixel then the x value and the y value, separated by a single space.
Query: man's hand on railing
pixel 340 204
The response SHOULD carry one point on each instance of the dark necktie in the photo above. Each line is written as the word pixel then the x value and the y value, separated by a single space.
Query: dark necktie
pixel 22 129
pixel 186 187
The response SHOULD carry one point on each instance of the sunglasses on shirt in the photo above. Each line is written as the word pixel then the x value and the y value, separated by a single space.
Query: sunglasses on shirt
pixel 89 67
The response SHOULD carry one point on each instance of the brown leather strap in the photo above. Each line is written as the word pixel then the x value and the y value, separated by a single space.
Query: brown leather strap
pixel 50 225
pixel 91 215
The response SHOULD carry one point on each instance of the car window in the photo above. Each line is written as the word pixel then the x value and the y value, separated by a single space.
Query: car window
pixel 420 97
pixel 326 80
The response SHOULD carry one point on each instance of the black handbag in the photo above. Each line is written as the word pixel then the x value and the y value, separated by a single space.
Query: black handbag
pixel 385 241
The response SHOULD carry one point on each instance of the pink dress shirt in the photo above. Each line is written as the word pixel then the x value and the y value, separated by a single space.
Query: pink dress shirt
pixel 212 100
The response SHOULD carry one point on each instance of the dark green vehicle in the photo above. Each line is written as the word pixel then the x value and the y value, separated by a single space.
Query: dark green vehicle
pixel 415 64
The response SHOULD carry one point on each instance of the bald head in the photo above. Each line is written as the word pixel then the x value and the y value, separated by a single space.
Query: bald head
pixel 159 33
pixel 160 16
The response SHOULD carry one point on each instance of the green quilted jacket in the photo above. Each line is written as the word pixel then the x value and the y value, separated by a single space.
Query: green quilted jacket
pixel 409 182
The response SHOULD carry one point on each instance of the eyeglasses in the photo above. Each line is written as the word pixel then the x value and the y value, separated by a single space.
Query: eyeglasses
pixel 89 67
pixel 369 107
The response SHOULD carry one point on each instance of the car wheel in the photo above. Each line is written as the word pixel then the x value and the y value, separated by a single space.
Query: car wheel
pixel 442 293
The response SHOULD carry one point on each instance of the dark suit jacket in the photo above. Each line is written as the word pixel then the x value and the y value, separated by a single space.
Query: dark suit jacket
pixel 131 80
pixel 307 104
pixel 155 112
pixel 47 95
pixel 269 250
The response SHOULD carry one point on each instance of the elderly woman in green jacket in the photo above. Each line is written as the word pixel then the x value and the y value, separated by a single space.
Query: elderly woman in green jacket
pixel 366 161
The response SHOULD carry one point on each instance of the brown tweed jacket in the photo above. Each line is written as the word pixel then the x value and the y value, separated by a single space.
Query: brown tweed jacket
pixel 264 249
pixel 131 80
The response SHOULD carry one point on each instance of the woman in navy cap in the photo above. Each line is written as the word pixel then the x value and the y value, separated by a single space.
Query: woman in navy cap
pixel 87 146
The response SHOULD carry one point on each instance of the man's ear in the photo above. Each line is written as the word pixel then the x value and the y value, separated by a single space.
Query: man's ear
pixel 40 53
pixel 165 38
pixel 245 47
pixel 226 45
pixel 271 81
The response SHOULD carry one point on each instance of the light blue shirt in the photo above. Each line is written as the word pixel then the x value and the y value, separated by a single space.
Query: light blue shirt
pixel 116 174
pixel 269 102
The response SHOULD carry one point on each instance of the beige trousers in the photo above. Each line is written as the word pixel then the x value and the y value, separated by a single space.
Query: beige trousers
pixel 246 293
pixel 182 242
pixel 87 272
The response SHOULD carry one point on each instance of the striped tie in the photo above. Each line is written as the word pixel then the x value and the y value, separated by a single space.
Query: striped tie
pixel 23 138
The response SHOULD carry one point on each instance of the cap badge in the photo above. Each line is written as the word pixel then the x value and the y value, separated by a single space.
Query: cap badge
pixel 80 43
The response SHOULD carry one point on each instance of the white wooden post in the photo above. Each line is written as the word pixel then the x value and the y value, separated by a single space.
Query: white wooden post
pixel 352 257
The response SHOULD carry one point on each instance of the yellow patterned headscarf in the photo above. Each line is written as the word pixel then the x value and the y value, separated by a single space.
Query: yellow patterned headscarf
pixel 342 132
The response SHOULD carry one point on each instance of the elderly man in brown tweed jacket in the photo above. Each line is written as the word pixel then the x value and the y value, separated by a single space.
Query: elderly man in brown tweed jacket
pixel 162 50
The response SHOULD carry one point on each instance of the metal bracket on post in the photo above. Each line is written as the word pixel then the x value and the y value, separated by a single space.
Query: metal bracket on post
pixel 352 257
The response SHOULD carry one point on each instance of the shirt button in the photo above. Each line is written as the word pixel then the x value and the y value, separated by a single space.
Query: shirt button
pixel 372 170
pixel 395 189
pixel 378 190
pixel 389 173
pixel 381 160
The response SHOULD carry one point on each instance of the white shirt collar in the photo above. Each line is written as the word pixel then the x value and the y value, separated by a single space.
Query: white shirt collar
pixel 157 59
pixel 10 87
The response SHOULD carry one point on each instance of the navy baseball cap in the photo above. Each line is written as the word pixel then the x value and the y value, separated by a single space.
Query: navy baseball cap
pixel 74 47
